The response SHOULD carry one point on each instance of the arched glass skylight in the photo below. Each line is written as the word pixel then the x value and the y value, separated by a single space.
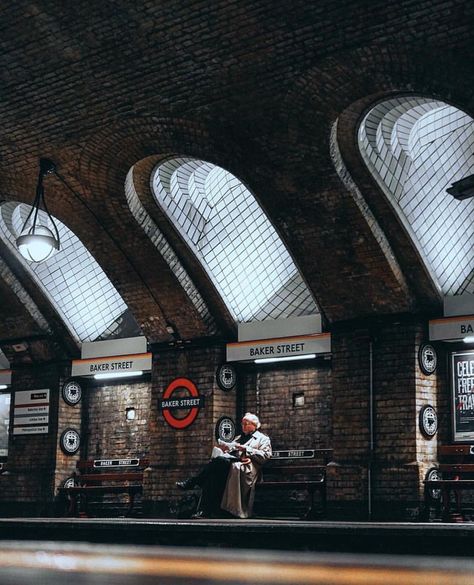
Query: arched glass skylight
pixel 73 281
pixel 233 239
pixel 416 148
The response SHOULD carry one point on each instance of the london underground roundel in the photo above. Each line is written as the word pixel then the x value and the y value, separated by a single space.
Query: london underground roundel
pixel 173 400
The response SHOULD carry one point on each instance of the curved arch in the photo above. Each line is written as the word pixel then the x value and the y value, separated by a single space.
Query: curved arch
pixel 72 280
pixel 415 148
pixel 388 278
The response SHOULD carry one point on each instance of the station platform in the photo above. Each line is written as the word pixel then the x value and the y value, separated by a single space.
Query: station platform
pixel 53 563
pixel 265 535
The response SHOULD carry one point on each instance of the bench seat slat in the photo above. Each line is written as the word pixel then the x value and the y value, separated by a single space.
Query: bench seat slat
pixel 100 489
pixel 100 477
pixel 290 484
pixel 457 483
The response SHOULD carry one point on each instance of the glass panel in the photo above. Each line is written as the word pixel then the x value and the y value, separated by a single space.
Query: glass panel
pixel 416 148
pixel 74 282
pixel 233 239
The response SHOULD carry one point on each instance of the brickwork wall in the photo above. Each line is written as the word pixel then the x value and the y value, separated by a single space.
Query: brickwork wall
pixel 335 415
pixel 269 391
pixel 108 433
pixel 401 455
pixel 177 453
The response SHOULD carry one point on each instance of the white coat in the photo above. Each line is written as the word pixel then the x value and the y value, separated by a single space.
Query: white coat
pixel 239 491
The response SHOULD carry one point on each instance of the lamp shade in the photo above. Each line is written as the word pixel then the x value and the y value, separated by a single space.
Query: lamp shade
pixel 37 244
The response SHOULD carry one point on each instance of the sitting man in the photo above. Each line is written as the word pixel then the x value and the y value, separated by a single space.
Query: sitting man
pixel 228 481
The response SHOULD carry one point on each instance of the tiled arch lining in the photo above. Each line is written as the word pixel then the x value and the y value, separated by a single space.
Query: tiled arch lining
pixel 72 280
pixel 417 147
pixel 228 232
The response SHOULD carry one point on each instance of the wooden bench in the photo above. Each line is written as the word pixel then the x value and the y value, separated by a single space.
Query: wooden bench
pixel 457 475
pixel 299 470
pixel 103 476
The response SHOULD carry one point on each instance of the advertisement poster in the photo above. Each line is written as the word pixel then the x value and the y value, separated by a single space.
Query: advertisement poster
pixel 462 393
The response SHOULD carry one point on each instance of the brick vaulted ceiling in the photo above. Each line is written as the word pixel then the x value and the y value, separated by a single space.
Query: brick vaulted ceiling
pixel 255 87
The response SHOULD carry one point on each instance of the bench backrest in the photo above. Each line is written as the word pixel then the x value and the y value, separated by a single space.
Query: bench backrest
pixel 456 461
pixel 296 464
pixel 456 451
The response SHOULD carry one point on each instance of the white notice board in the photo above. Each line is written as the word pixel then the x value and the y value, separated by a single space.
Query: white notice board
pixel 31 412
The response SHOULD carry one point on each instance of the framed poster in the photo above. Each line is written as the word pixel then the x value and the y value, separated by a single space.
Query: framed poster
pixel 462 396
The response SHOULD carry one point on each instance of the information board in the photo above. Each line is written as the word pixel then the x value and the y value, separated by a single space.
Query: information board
pixel 31 412
pixel 462 396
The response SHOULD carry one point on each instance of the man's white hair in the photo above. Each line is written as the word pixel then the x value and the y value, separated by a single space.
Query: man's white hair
pixel 253 418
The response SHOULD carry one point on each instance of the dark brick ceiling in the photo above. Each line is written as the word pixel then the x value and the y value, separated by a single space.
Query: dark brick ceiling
pixel 254 86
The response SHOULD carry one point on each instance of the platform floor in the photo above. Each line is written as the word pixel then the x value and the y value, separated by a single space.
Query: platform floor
pixel 53 563
pixel 265 535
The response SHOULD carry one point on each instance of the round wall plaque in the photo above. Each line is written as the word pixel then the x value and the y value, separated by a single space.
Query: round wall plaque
pixel 226 377
pixel 427 358
pixel 225 429
pixel 69 482
pixel 71 392
pixel 70 441
pixel 434 474
pixel 428 421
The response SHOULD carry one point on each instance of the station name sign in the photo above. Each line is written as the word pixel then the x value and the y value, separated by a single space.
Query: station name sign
pixel 182 403
pixel 112 364
pixel 116 462
pixel 280 347
pixel 451 328
pixel 295 454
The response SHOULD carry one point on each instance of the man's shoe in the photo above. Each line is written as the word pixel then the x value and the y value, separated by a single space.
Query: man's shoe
pixel 186 484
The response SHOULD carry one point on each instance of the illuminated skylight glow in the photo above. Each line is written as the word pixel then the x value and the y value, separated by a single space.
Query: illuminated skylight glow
pixel 416 148
pixel 233 239
pixel 73 281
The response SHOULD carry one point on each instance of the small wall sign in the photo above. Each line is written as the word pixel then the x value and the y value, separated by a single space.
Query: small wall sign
pixel 191 403
pixel 434 474
pixel 428 421
pixel 70 441
pixel 427 358
pixel 226 377
pixel 225 429
pixel 295 454
pixel 116 462
pixel 71 392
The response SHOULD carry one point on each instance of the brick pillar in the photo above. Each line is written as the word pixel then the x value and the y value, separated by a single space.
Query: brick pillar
pixel 28 489
pixel 384 482
pixel 178 453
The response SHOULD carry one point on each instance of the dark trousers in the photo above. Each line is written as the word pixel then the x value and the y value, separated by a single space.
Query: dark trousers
pixel 212 479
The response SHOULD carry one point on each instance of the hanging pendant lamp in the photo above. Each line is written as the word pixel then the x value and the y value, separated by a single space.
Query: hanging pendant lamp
pixel 37 241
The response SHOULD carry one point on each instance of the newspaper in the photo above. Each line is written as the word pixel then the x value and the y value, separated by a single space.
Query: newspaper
pixel 230 452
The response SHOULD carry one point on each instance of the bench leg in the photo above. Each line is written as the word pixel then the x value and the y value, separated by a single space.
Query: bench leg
pixel 71 508
pixel 310 512
pixel 131 502
pixel 445 503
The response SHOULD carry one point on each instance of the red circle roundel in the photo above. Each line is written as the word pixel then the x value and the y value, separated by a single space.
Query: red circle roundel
pixel 193 402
